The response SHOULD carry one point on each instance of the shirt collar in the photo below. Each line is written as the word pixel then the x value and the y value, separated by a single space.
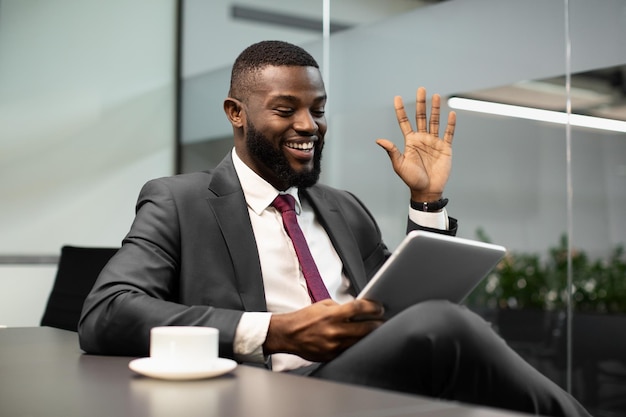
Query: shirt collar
pixel 259 193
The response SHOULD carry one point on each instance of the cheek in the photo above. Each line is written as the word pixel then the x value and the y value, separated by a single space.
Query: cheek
pixel 322 126
pixel 274 131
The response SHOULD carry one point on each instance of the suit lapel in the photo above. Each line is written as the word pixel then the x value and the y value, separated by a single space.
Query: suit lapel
pixel 230 209
pixel 333 222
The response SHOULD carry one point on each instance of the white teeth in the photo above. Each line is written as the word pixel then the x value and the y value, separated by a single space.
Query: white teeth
pixel 301 146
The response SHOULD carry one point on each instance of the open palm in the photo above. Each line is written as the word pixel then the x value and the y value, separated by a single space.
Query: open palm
pixel 427 159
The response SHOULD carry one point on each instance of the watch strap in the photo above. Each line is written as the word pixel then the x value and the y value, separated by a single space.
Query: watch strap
pixel 429 206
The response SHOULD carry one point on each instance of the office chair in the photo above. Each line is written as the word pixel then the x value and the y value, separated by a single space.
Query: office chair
pixel 77 271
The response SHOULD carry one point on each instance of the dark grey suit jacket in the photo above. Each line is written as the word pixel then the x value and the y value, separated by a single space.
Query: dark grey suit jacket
pixel 190 258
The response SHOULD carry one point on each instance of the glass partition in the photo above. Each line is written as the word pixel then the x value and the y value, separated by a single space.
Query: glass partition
pixel 550 192
pixel 553 194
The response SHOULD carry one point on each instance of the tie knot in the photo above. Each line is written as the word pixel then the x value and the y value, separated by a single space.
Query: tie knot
pixel 284 202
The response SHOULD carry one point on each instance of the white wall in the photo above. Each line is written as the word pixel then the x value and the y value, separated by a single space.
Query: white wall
pixel 24 291
pixel 86 117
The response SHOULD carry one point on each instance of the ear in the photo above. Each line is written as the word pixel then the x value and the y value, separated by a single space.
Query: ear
pixel 234 111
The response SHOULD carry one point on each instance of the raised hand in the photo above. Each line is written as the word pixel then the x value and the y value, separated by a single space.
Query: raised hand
pixel 427 159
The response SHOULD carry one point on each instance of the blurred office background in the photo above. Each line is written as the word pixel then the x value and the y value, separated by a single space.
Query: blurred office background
pixel 98 97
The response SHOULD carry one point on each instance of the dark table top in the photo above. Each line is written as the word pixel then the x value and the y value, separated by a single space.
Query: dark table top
pixel 44 373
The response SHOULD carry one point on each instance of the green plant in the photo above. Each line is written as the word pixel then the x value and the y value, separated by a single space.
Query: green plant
pixel 529 280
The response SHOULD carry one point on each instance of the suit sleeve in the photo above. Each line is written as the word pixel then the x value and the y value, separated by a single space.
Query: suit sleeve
pixel 139 288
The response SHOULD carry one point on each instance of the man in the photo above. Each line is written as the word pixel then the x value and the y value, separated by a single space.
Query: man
pixel 210 249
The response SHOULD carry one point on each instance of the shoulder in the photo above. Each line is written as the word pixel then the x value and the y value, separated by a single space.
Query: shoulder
pixel 176 184
pixel 175 190
pixel 182 180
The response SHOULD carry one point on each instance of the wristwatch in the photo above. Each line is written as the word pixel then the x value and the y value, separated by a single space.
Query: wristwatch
pixel 429 206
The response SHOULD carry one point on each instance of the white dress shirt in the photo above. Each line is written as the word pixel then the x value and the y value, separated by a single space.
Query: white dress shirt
pixel 284 284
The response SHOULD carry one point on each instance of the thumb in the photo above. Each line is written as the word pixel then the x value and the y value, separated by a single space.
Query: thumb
pixel 392 150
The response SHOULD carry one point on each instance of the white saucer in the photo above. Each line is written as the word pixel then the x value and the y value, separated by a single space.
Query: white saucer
pixel 163 370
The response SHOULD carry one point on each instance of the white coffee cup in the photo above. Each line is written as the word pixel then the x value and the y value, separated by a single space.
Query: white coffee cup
pixel 184 346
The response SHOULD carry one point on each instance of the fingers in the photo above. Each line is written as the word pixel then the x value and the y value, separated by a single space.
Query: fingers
pixel 434 115
pixel 421 118
pixel 420 110
pixel 449 133
pixel 361 309
pixel 403 121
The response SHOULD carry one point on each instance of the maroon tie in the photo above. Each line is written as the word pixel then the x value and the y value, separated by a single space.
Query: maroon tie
pixel 286 204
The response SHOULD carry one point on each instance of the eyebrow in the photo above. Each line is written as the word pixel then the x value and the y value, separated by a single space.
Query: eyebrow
pixel 294 99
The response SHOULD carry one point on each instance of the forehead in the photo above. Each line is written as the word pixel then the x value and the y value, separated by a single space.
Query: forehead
pixel 289 81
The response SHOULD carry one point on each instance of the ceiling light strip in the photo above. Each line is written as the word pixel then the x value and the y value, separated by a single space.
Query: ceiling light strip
pixel 549 116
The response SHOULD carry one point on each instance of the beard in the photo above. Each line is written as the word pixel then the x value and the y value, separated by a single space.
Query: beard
pixel 262 149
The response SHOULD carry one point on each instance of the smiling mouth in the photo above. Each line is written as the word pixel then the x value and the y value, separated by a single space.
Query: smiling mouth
pixel 301 146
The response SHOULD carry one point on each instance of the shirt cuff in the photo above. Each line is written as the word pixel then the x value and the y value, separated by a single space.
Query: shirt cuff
pixel 250 335
pixel 437 220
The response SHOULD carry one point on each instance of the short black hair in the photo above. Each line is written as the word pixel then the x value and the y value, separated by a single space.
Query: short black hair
pixel 260 55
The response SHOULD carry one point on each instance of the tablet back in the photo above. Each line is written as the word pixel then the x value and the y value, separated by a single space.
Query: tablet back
pixel 428 266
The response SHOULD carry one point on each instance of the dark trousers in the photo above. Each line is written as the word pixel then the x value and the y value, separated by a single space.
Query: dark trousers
pixel 442 350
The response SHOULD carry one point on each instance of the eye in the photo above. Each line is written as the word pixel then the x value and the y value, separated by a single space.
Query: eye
pixel 318 112
pixel 284 111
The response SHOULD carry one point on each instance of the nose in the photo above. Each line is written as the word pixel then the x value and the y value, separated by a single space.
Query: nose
pixel 305 123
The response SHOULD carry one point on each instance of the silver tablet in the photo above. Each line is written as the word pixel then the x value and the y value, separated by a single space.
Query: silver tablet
pixel 428 266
